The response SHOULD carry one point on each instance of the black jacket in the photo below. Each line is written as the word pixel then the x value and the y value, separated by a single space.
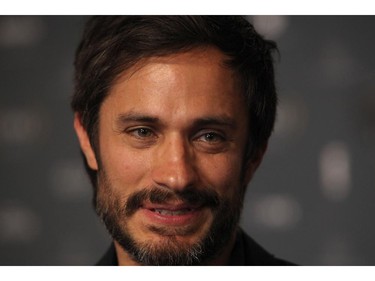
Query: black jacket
pixel 245 252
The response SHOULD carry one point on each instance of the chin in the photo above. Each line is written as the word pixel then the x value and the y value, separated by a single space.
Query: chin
pixel 167 245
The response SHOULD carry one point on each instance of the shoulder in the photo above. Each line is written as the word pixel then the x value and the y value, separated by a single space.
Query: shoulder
pixel 254 254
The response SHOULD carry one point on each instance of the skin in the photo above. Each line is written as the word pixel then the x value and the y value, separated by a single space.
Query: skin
pixel 173 147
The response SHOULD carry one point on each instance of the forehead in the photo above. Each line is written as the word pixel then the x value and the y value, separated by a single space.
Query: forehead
pixel 207 60
pixel 197 81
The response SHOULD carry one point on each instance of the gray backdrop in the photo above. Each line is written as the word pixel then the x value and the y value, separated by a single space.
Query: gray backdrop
pixel 311 202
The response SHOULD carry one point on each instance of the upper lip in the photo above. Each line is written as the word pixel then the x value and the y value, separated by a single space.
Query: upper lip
pixel 169 207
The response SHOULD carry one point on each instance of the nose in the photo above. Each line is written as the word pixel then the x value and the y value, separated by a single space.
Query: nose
pixel 174 164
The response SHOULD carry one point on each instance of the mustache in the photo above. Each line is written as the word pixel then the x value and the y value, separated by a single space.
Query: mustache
pixel 159 195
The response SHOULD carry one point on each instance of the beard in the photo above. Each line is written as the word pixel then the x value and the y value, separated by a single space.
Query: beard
pixel 115 213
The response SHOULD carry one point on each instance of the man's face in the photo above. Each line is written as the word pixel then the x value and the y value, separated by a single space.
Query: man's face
pixel 171 168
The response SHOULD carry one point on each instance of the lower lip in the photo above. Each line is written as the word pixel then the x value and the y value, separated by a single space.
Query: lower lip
pixel 177 220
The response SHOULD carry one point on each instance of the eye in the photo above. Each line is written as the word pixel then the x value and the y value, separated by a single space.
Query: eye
pixel 211 141
pixel 211 137
pixel 141 133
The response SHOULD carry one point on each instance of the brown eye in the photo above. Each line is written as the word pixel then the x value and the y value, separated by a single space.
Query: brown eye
pixel 211 137
pixel 211 141
pixel 141 133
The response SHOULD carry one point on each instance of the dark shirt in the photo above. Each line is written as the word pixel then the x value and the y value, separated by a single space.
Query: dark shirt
pixel 245 252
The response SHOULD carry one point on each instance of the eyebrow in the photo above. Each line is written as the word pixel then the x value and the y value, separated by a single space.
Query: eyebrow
pixel 136 117
pixel 220 120
pixel 215 120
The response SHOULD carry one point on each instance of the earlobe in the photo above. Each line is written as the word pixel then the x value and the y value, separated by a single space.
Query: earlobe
pixel 84 142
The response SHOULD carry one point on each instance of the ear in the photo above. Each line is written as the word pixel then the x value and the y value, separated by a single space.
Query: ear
pixel 254 163
pixel 84 142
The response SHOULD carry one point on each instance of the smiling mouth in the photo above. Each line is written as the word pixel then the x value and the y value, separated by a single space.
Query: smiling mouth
pixel 172 214
pixel 178 212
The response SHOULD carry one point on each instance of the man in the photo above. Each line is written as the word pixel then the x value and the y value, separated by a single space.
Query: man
pixel 173 115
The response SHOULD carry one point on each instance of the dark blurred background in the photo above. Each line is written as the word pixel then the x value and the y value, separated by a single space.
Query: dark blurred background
pixel 311 202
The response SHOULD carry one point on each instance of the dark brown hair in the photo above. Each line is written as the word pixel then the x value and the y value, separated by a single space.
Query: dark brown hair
pixel 112 44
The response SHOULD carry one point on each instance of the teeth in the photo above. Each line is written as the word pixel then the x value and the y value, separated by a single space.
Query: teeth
pixel 172 213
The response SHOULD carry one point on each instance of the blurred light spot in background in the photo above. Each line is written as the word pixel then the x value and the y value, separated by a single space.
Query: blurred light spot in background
pixel 292 118
pixel 271 27
pixel 276 211
pixel 334 170
pixel 338 66
pixel 336 250
pixel 18 223
pixel 69 180
pixel 20 125
pixel 20 31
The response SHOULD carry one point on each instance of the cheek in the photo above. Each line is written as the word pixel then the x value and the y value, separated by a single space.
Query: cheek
pixel 224 175
pixel 125 169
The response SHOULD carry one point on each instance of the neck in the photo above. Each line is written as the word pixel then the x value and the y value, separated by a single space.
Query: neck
pixel 223 258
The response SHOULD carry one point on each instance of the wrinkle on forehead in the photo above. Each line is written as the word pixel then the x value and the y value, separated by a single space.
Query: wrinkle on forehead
pixel 197 56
